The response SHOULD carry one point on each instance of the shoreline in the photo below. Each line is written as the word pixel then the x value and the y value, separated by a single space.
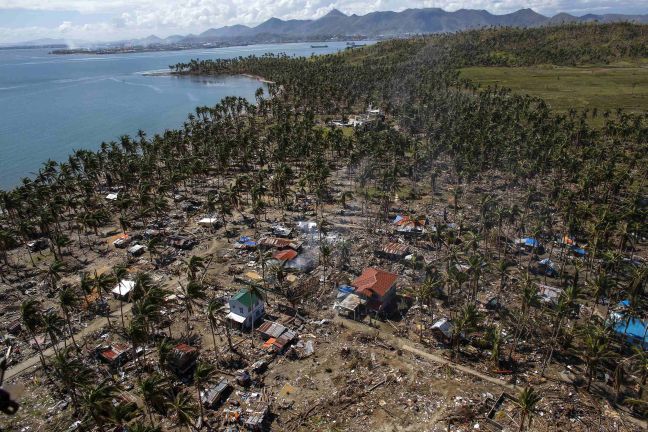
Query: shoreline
pixel 170 73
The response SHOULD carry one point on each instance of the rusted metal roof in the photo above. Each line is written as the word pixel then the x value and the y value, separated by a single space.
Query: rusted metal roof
pixel 373 280
pixel 395 249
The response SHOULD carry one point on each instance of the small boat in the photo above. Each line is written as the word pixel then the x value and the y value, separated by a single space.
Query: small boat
pixel 319 46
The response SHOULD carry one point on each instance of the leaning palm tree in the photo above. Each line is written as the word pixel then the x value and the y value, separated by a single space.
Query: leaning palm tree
pixel 32 318
pixel 527 401
pixel 203 374
pixel 183 410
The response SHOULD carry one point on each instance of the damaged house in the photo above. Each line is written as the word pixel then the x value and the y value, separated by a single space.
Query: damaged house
pixel 377 287
pixel 246 307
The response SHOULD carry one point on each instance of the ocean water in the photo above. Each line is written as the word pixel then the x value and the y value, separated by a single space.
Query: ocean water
pixel 51 105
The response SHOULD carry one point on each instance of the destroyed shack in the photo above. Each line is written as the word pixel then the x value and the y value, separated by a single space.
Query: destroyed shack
pixel 280 243
pixel 352 306
pixel 182 359
pixel 255 418
pixel 115 355
pixel 407 225
pixel 246 307
pixel 285 255
pixel 209 222
pixel 276 336
pixel 212 397
pixel 136 250
pixel 442 330
pixel 181 242
pixel 529 244
pixel 38 245
pixel 394 251
pixel 549 294
pixel 123 290
pixel 281 231
pixel 122 241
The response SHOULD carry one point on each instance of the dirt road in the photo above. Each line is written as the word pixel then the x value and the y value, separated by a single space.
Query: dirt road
pixel 93 326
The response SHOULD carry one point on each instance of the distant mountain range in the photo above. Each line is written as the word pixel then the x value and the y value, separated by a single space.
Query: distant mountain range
pixel 336 24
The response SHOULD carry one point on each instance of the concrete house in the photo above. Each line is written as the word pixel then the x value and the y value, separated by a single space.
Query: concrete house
pixel 377 286
pixel 245 308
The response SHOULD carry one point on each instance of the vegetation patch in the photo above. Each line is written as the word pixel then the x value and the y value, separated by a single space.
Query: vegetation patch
pixel 596 88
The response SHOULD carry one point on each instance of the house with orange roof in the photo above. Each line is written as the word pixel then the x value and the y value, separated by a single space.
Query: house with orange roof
pixel 377 286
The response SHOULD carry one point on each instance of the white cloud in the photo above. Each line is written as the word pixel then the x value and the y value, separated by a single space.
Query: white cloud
pixel 133 18
pixel 65 26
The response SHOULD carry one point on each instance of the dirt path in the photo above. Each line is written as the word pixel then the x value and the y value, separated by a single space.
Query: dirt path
pixel 404 345
pixel 93 326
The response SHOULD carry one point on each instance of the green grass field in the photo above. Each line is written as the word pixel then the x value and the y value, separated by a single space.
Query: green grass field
pixel 606 88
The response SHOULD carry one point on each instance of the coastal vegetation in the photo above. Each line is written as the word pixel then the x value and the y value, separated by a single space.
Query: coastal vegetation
pixel 486 166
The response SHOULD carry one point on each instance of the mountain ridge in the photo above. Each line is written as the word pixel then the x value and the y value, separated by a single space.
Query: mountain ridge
pixel 377 24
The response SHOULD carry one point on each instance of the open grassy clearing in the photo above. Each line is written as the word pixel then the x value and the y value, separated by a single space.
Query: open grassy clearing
pixel 604 88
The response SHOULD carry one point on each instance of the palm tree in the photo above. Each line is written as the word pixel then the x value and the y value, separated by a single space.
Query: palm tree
pixel 464 324
pixel 104 283
pixel 527 401
pixel 53 274
pixel 203 374
pixel 97 403
pixel 53 325
pixel 183 409
pixel 32 318
pixel 213 307
pixel 69 301
pixel 152 247
pixel 595 349
pixel 194 265
pixel 72 373
pixel 192 293
pixel 253 292
pixel 152 390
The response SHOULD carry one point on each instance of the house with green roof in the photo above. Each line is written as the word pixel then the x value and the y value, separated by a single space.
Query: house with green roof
pixel 246 307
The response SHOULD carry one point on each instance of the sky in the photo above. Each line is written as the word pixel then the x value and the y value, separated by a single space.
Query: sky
pixel 108 20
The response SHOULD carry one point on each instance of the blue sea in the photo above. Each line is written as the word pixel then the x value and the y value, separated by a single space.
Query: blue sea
pixel 51 105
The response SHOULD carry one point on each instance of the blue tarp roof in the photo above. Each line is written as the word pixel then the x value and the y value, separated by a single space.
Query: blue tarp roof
pixel 346 288
pixel 635 329
pixel 528 241
pixel 398 218
pixel 579 251
pixel 244 239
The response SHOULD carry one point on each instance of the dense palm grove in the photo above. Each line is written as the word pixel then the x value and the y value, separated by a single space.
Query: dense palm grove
pixel 509 165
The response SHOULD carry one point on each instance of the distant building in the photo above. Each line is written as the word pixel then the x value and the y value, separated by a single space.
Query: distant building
pixel 245 308
pixel 377 286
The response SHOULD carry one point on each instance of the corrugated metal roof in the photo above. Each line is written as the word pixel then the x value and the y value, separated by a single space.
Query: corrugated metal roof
pixel 395 249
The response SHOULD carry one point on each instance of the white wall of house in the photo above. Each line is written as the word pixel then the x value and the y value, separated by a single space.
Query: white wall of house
pixel 255 312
